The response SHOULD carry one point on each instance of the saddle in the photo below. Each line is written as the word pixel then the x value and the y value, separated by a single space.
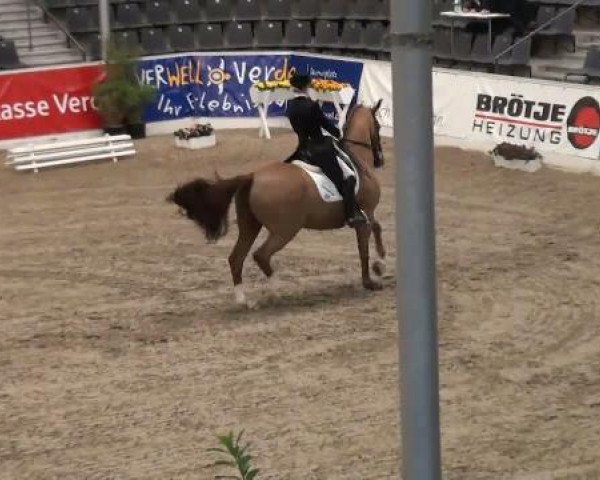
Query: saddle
pixel 325 186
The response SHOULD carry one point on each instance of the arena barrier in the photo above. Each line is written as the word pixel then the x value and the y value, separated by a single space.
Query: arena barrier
pixel 471 110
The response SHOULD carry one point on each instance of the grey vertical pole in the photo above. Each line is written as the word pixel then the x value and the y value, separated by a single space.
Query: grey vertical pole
pixel 103 7
pixel 415 238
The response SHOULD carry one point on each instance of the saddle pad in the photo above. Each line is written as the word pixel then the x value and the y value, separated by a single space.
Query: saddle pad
pixel 324 185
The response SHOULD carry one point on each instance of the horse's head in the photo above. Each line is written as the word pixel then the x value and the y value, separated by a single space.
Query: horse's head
pixel 363 129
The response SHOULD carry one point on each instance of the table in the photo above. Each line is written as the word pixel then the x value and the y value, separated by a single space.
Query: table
pixel 473 17
pixel 263 98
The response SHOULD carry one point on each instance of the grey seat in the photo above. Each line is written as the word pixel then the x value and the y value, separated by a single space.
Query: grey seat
pixel 210 36
pixel 127 39
pixel 591 66
pixel 278 10
pixel 480 52
pixel 518 57
pixel 365 10
pixel 268 34
pixel 298 33
pixel 463 44
pixel 187 11
pixel 182 38
pixel 158 12
pixel 9 57
pixel 218 10
pixel 441 43
pixel 305 9
pixel 239 35
pixel 333 9
pixel 373 36
pixel 244 10
pixel 327 34
pixel 80 20
pixel 153 41
pixel 352 32
pixel 562 27
pixel 92 45
pixel 129 15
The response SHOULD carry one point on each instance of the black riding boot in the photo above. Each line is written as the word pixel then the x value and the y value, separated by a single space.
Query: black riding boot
pixel 354 215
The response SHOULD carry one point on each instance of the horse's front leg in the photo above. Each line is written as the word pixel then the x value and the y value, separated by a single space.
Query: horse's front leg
pixel 363 234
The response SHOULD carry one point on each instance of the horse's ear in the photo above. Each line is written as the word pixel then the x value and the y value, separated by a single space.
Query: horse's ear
pixel 376 107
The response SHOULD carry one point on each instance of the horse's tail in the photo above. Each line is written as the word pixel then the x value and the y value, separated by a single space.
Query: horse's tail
pixel 207 202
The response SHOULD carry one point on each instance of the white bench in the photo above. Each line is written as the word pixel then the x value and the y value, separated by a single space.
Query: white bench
pixel 33 157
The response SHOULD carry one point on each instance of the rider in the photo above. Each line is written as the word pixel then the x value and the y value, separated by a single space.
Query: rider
pixel 307 119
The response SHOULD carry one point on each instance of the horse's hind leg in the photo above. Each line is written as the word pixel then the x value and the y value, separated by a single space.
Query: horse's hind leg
pixel 273 244
pixel 249 228
pixel 378 265
pixel 363 234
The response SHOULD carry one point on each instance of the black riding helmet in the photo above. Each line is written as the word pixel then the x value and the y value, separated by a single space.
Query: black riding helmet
pixel 300 81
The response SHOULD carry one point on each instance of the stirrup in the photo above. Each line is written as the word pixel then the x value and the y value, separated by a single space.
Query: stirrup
pixel 358 218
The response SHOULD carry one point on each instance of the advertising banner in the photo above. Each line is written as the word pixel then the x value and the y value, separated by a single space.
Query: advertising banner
pixel 209 86
pixel 48 101
pixel 550 116
pixel 377 84
pixel 349 71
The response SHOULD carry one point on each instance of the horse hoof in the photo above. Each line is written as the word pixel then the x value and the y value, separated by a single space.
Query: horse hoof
pixel 378 267
pixel 372 285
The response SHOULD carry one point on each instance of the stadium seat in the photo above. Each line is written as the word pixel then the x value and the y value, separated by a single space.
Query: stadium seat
pixel 59 4
pixel 129 15
pixel 182 38
pixel 210 36
pixel 187 11
pixel 218 10
pixel 93 48
pixel 352 32
pixel 278 10
pixel 238 35
pixel 9 58
pixel 153 41
pixel 247 10
pixel 305 9
pixel 365 10
pixel 517 61
pixel 562 28
pixel 127 39
pixel 268 34
pixel 333 9
pixel 590 69
pixel 480 52
pixel 441 43
pixel 373 36
pixel 81 20
pixel 327 34
pixel 298 33
pixel 158 12
pixel 463 45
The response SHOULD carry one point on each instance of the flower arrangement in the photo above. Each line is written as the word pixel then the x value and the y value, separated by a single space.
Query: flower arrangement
pixel 198 130
pixel 327 85
pixel 273 84
pixel 320 84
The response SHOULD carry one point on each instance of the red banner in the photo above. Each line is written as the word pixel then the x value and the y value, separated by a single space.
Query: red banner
pixel 44 102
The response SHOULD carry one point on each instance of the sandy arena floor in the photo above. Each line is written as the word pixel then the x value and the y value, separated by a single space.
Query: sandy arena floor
pixel 121 354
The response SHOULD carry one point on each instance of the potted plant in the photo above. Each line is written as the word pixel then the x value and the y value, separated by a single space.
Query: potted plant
pixel 120 97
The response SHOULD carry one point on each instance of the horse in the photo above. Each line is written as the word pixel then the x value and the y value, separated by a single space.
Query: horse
pixel 284 199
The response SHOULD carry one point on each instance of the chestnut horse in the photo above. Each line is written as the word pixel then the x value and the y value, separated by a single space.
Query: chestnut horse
pixel 284 199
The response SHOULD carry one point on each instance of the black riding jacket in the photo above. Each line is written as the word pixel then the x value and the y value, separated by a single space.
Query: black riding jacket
pixel 307 119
